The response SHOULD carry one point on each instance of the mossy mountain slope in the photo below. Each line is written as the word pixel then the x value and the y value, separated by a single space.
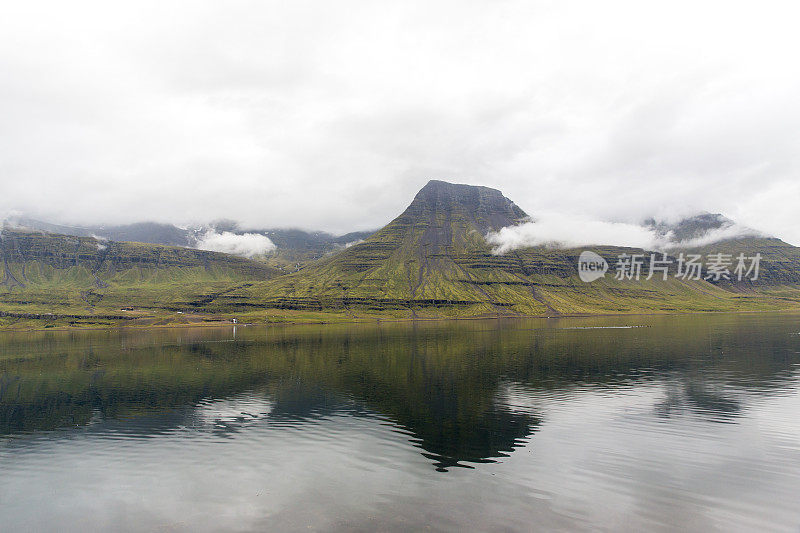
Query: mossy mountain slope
pixel 779 262
pixel 43 273
pixel 42 258
pixel 433 260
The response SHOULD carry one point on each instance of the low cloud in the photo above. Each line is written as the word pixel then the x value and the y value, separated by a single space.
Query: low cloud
pixel 558 230
pixel 720 234
pixel 565 231
pixel 246 244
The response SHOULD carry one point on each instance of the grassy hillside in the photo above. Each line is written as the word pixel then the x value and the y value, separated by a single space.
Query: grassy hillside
pixel 779 264
pixel 433 260
pixel 81 276
pixel 296 248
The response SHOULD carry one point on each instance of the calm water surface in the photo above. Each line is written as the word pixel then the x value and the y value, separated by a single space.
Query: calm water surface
pixel 679 423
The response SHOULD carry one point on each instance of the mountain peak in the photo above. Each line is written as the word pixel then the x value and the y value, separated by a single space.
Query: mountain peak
pixel 482 208
pixel 439 186
pixel 701 226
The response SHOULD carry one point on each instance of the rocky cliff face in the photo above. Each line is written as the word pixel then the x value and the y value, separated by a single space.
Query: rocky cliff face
pixel 474 208
pixel 443 220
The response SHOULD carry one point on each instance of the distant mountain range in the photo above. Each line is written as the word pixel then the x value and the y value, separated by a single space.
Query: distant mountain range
pixel 145 232
pixel 294 248
pixel 433 260
pixel 157 233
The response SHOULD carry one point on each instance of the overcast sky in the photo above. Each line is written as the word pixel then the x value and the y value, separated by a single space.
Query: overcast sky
pixel 331 115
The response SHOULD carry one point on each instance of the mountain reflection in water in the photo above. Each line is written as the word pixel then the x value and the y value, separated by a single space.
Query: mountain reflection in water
pixel 465 394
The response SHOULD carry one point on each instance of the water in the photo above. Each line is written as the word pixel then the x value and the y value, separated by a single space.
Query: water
pixel 680 423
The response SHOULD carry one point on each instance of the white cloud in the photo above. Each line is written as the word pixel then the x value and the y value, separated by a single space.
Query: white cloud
pixel 247 244
pixel 566 231
pixel 571 231
pixel 715 235
pixel 321 116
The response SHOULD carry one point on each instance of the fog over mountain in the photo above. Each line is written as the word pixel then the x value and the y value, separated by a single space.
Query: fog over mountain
pixel 326 116
pixel 558 230
pixel 245 244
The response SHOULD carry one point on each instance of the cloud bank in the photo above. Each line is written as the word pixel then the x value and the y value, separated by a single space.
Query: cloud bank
pixel 559 230
pixel 716 235
pixel 247 244
pixel 324 115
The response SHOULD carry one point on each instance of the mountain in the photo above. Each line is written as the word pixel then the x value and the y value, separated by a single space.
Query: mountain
pixel 65 275
pixel 779 264
pixel 433 260
pixel 411 258
pixel 712 233
pixel 294 247
pixel 146 232
pixel 692 228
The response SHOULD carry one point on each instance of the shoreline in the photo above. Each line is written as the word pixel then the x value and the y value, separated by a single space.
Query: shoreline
pixel 371 320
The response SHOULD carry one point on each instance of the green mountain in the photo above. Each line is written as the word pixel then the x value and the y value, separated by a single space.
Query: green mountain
pixel 295 248
pixel 433 260
pixel 712 233
pixel 779 264
pixel 73 277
